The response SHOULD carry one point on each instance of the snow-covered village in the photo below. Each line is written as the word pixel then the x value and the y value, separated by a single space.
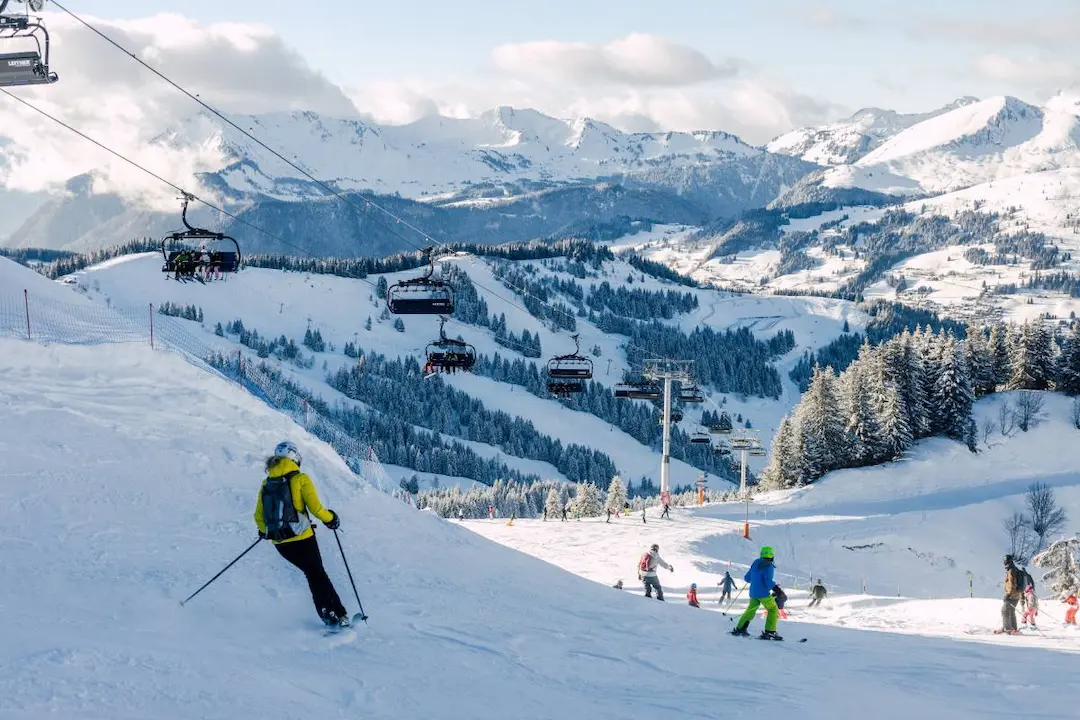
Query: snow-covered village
pixel 535 362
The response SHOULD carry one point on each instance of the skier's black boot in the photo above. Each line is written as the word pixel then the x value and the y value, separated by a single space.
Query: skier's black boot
pixel 770 635
pixel 740 631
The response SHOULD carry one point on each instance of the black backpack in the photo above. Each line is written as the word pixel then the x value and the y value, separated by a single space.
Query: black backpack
pixel 282 519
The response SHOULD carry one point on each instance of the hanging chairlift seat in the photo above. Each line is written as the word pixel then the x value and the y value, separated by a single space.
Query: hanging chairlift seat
pixel 691 395
pixel 421 296
pixel 562 388
pixel 700 438
pixel 639 391
pixel 449 355
pixel 24 67
pixel 191 249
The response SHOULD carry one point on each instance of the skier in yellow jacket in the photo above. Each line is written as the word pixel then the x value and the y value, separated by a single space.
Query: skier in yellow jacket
pixel 286 501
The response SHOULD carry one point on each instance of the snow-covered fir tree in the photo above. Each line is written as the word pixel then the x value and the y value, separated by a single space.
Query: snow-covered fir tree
pixel 979 361
pixel 554 505
pixel 1031 358
pixel 998 346
pixel 895 432
pixel 952 397
pixel 1068 363
pixel 861 422
pixel 587 501
pixel 1062 568
pixel 616 495
pixel 823 435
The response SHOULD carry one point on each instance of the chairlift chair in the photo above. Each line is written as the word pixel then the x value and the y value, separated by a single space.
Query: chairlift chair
pixel 567 374
pixel 700 437
pixel 722 426
pixel 758 452
pixel 639 391
pixel 421 296
pixel 449 355
pixel 721 450
pixel 25 67
pixel 691 394
pixel 192 249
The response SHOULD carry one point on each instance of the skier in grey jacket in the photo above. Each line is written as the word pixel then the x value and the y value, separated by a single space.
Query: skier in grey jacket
pixel 647 571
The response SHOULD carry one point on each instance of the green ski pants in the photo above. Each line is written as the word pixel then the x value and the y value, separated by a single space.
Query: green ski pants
pixel 769 603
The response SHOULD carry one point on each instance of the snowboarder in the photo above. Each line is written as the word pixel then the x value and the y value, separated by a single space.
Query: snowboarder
pixel 1031 605
pixel 545 514
pixel 643 520
pixel 618 585
pixel 1070 614
pixel 818 593
pixel 781 600
pixel 760 577
pixel 1013 582
pixel 666 513
pixel 608 516
pixel 564 514
pixel 286 501
pixel 726 586
pixel 691 596
pixel 647 571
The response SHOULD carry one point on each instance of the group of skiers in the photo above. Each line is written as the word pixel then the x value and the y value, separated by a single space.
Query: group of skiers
pixel 1020 591
pixel 763 590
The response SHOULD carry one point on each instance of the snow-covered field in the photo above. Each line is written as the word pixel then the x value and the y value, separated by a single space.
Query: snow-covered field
pixel 131 477
pixel 920 535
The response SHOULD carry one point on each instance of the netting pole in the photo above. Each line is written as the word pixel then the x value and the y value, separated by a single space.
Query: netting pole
pixel 151 326
pixel 26 304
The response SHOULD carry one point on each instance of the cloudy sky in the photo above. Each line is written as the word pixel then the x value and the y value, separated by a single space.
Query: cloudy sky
pixel 753 68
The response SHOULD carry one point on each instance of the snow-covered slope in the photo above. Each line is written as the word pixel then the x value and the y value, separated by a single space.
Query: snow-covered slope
pixel 909 532
pixel 131 476
pixel 340 307
pixel 846 141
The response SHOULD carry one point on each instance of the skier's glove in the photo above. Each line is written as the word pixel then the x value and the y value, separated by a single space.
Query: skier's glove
pixel 335 521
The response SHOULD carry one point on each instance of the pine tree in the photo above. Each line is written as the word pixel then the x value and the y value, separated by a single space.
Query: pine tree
pixel 979 361
pixel 999 354
pixel 587 501
pixel 554 505
pixel 896 434
pixel 1063 570
pixel 367 324
pixel 780 473
pixel 916 389
pixel 953 397
pixel 863 431
pixel 399 325
pixel 1068 366
pixel 616 495
pixel 823 434
pixel 1032 358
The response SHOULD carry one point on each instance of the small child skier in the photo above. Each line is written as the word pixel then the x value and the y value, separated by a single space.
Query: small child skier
pixel 691 597
pixel 1070 614
pixel 1032 604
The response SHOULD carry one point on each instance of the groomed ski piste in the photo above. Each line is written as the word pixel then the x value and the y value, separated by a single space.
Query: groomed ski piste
pixel 130 477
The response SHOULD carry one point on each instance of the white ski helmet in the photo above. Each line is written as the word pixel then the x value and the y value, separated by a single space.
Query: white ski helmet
pixel 285 449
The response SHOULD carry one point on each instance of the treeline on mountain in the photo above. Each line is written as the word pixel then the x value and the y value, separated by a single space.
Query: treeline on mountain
pixel 913 386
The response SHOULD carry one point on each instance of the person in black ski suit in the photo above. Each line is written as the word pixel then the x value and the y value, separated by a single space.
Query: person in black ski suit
pixel 726 586
pixel 818 593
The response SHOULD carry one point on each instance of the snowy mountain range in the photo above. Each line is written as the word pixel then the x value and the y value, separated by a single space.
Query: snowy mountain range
pixel 507 175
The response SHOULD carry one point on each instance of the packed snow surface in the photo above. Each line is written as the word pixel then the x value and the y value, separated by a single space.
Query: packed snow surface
pixel 130 477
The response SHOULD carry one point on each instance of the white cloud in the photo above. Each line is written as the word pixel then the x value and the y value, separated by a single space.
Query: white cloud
pixel 1026 69
pixel 107 95
pixel 637 60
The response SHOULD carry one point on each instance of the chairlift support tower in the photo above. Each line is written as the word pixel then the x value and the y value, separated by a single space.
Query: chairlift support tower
pixel 668 371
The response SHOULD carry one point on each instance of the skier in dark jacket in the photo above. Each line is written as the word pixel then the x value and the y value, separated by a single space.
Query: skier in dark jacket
pixel 726 586
pixel 1014 584
pixel 818 593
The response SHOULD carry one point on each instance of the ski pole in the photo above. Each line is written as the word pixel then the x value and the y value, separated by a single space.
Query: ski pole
pixel 362 615
pixel 734 599
pixel 250 548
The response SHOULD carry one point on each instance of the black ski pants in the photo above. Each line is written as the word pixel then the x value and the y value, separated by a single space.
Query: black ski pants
pixel 304 554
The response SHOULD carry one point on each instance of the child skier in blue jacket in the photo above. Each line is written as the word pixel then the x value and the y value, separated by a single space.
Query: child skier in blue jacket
pixel 760 577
